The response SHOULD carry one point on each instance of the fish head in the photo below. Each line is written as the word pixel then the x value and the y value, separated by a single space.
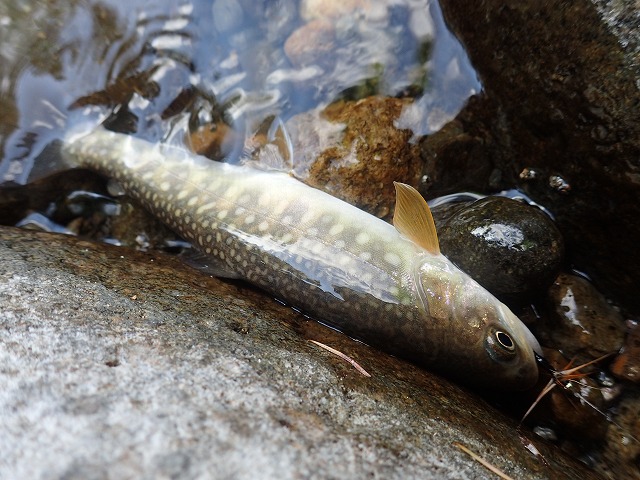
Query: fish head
pixel 486 344
pixel 509 349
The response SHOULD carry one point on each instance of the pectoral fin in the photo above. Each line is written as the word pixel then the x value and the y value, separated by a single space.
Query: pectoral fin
pixel 413 219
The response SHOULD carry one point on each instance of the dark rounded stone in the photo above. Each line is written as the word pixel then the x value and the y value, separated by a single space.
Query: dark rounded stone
pixel 514 250
pixel 581 323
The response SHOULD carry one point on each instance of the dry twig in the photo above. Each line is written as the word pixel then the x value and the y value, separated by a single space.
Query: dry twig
pixel 344 357
pixel 482 461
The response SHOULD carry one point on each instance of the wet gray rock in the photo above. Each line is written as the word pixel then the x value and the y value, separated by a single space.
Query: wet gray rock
pixel 116 363
pixel 512 249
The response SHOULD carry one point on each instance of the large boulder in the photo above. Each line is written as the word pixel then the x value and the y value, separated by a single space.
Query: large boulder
pixel 120 363
pixel 559 118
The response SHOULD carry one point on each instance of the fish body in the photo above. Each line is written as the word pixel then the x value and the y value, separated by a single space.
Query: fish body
pixel 333 261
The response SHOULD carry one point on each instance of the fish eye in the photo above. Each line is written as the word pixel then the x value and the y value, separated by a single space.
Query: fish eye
pixel 500 345
pixel 505 340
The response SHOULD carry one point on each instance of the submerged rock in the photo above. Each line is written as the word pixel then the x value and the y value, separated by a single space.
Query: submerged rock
pixel 116 362
pixel 353 151
pixel 512 249
pixel 311 44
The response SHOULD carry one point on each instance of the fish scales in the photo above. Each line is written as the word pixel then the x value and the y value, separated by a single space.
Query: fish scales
pixel 300 244
pixel 333 261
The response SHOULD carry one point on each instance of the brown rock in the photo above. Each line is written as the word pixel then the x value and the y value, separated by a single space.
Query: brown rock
pixel 581 321
pixel 358 153
pixel 212 140
pixel 626 366
pixel 622 450
pixel 566 409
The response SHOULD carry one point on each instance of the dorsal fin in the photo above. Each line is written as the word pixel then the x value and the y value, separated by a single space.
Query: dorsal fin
pixel 413 219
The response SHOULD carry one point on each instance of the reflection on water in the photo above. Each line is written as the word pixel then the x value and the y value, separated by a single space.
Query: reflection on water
pixel 154 68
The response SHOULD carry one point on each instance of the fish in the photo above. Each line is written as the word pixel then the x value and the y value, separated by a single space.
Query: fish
pixel 386 285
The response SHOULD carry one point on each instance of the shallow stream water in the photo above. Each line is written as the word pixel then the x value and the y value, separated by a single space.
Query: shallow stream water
pixel 158 67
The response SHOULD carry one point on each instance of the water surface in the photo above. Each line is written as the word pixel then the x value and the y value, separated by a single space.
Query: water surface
pixel 151 69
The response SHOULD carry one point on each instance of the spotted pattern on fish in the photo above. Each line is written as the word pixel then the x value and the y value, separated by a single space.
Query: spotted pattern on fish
pixel 317 253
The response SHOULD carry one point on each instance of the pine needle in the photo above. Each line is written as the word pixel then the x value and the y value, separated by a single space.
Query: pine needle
pixel 567 374
pixel 483 462
pixel 344 357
